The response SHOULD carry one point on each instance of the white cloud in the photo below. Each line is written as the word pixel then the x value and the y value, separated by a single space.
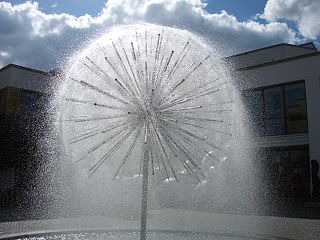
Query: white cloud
pixel 306 13
pixel 36 39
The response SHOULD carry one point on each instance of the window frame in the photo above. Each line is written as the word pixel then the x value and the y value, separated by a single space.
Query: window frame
pixel 263 120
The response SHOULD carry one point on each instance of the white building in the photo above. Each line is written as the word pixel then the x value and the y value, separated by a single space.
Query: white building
pixel 281 85
pixel 20 87
pixel 23 98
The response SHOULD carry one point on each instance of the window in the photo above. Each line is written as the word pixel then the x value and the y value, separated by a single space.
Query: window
pixel 254 99
pixel 285 170
pixel 28 100
pixel 278 110
pixel 32 103
pixel 296 108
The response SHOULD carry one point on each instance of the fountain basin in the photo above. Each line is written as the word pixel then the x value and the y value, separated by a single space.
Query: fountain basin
pixel 132 235
pixel 166 221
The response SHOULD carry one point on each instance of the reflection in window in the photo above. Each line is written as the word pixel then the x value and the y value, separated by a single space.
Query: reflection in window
pixel 254 100
pixel 296 108
pixel 278 110
pixel 275 126
pixel 274 102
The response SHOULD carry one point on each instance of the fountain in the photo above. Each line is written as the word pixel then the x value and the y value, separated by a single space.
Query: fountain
pixel 147 100
pixel 150 108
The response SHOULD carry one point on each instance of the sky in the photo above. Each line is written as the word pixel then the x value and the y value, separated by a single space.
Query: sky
pixel 41 34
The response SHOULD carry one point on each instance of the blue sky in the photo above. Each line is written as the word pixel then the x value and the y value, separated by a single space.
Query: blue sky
pixel 74 7
pixel 41 33
pixel 242 9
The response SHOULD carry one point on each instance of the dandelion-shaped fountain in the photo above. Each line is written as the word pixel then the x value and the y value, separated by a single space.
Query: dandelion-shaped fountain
pixel 150 99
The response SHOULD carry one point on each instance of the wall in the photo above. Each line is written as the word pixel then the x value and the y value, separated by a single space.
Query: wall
pixel 307 69
pixel 269 54
pixel 25 79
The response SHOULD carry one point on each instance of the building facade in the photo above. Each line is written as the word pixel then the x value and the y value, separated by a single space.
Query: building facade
pixel 21 90
pixel 281 88
pixel 24 95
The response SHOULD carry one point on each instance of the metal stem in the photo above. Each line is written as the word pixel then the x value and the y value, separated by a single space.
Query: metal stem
pixel 144 203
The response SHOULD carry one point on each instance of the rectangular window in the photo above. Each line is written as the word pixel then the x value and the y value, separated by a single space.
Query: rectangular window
pixel 285 171
pixel 28 101
pixel 254 100
pixel 278 110
pixel 275 126
pixel 274 102
pixel 32 103
pixel 296 108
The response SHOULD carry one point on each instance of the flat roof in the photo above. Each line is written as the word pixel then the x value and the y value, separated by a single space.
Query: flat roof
pixel 308 45
pixel 22 68
pixel 304 46
pixel 280 61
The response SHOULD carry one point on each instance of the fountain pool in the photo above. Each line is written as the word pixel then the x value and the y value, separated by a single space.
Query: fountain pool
pixel 133 235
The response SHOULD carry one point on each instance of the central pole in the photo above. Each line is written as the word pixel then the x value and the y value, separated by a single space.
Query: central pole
pixel 144 202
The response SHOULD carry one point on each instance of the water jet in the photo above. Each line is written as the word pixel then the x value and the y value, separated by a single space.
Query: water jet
pixel 145 100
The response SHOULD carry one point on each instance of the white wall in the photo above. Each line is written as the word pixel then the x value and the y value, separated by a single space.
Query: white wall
pixel 20 78
pixel 307 69
pixel 269 55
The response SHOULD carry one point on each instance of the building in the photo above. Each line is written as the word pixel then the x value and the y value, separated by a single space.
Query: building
pixel 21 87
pixel 24 94
pixel 281 87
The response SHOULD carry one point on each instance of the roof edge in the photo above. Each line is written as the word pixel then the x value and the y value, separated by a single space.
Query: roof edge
pixel 279 61
pixel 22 68
pixel 304 45
pixel 273 46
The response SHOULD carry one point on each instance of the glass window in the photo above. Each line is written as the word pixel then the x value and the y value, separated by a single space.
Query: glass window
pixel 275 126
pixel 33 103
pixel 278 110
pixel 297 125
pixel 296 108
pixel 295 100
pixel 259 127
pixel 28 102
pixel 42 102
pixel 286 171
pixel 274 102
pixel 254 102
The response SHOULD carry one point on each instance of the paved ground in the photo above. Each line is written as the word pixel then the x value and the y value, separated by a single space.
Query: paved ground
pixel 179 220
